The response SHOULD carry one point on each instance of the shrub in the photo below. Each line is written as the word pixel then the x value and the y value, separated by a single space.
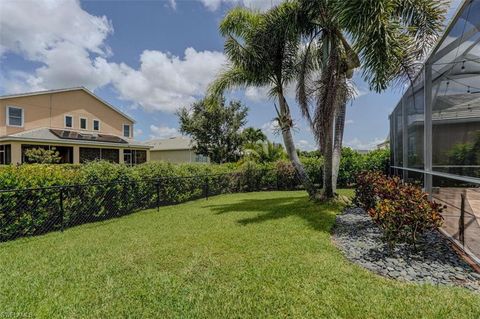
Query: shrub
pixel 314 169
pixel 402 211
pixel 286 175
pixel 351 163
pixel 377 160
pixel 372 186
pixel 43 156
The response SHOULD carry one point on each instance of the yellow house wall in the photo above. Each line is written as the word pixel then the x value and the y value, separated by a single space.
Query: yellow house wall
pixel 173 156
pixel 49 110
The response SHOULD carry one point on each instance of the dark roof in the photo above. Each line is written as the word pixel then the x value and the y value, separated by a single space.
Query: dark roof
pixel 71 135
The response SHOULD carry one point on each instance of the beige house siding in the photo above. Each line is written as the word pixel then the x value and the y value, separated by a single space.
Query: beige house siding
pixel 49 110
pixel 173 156
pixel 43 111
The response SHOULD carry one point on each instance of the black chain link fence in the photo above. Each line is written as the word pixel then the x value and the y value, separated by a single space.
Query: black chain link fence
pixel 35 211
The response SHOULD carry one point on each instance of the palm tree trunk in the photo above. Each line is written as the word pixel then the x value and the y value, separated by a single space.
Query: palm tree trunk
pixel 328 190
pixel 285 123
pixel 337 143
pixel 324 119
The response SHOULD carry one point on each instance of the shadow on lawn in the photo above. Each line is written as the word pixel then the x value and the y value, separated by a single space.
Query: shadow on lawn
pixel 320 217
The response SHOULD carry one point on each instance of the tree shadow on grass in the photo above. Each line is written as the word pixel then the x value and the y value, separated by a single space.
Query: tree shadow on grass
pixel 320 217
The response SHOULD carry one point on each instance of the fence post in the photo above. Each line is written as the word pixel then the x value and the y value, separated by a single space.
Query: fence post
pixel 461 221
pixel 157 185
pixel 206 187
pixel 62 211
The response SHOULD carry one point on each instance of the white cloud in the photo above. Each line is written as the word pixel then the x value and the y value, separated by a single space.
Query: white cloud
pixel 261 5
pixel 138 132
pixel 34 28
pixel 162 131
pixel 305 145
pixel 69 44
pixel 271 127
pixel 261 94
pixel 357 144
pixel 166 82
pixel 61 36
pixel 257 94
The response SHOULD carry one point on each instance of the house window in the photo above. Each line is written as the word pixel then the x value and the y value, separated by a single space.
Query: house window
pixel 64 152
pixel 126 130
pixel 133 157
pixel 68 121
pixel 88 154
pixel 199 158
pixel 5 154
pixel 83 123
pixel 110 155
pixel 14 116
pixel 96 125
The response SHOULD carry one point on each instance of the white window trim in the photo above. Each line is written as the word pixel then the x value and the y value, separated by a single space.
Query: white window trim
pixel 93 126
pixel 80 123
pixel 8 117
pixel 65 120
pixel 129 130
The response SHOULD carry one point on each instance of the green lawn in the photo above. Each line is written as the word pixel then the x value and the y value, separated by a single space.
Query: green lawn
pixel 244 255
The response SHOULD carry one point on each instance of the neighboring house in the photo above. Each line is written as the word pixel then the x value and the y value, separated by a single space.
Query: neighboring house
pixel 77 123
pixel 385 145
pixel 175 150
pixel 362 151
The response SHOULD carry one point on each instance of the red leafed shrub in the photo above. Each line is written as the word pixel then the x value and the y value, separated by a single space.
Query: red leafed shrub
pixel 373 185
pixel 402 210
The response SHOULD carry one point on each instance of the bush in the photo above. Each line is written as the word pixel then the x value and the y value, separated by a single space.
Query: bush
pixel 42 156
pixel 377 160
pixel 314 169
pixel 115 190
pixel 350 164
pixel 372 186
pixel 402 211
pixel 101 190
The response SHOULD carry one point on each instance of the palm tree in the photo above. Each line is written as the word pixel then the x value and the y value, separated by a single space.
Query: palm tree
pixel 262 49
pixel 263 151
pixel 385 38
pixel 252 135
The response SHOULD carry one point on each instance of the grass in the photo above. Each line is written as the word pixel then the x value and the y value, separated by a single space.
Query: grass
pixel 242 255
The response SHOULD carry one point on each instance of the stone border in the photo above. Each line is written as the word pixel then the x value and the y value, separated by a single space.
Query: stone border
pixel 434 262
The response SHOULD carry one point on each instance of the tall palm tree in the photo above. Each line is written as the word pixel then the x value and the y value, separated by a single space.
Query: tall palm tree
pixel 262 49
pixel 385 38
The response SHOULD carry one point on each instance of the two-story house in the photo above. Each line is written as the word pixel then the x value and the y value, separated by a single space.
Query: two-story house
pixel 77 123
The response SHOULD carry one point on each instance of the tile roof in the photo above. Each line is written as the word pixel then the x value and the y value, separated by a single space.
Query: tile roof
pixel 173 143
pixel 47 135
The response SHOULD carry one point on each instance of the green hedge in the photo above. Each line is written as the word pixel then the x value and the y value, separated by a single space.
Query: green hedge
pixel 101 190
pixel 37 175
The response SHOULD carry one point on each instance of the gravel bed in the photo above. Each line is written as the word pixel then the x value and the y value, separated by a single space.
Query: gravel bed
pixel 434 261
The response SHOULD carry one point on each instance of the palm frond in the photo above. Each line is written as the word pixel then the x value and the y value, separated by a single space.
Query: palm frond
pixel 233 77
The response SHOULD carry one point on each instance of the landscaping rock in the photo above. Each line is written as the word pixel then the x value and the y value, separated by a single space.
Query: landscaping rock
pixel 433 262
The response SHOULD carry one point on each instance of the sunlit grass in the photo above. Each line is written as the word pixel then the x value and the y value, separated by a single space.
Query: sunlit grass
pixel 244 255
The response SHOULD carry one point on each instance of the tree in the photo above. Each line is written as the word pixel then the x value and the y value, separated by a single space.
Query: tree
pixel 259 56
pixel 42 156
pixel 215 127
pixel 385 38
pixel 264 151
pixel 252 135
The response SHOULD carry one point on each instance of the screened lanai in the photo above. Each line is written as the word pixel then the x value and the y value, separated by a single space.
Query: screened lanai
pixel 435 128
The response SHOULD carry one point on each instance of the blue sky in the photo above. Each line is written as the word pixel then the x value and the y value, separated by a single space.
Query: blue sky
pixel 149 58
